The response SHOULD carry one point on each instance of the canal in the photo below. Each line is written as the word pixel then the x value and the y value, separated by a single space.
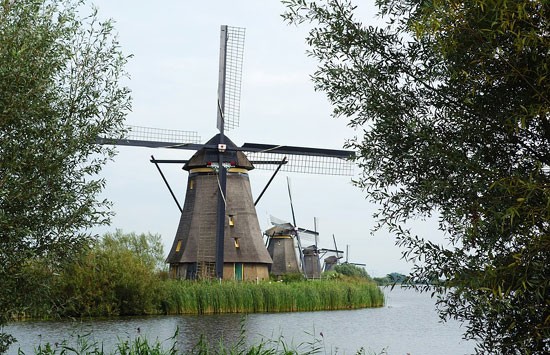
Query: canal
pixel 407 324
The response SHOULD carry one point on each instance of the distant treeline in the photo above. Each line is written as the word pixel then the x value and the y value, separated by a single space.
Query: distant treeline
pixel 124 274
pixel 400 279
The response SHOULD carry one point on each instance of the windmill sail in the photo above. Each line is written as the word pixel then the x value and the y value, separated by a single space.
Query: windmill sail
pixel 138 136
pixel 230 74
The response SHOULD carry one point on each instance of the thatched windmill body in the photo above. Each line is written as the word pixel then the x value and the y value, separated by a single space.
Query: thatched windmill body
pixel 219 234
pixel 282 249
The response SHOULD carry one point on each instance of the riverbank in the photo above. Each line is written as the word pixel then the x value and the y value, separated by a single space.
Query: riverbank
pixel 173 297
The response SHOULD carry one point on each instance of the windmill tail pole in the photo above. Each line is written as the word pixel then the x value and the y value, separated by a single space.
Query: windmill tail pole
pixel 220 225
pixel 153 160
pixel 284 161
pixel 315 229
pixel 302 259
pixel 291 205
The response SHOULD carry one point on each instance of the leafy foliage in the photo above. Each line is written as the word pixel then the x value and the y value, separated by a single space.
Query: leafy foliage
pixel 60 75
pixel 391 279
pixel 147 248
pixel 290 277
pixel 452 99
pixel 116 276
pixel 352 270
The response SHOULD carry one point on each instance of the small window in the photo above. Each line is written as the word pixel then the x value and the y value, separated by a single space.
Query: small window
pixel 191 183
pixel 178 246
pixel 236 240
pixel 231 221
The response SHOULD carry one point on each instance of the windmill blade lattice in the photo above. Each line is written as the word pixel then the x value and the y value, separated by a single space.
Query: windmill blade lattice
pixel 160 134
pixel 230 76
pixel 308 164
pixel 139 136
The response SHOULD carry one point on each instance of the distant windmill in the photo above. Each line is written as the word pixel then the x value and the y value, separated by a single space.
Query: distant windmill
pixel 347 256
pixel 282 249
pixel 312 264
pixel 219 235
pixel 331 261
pixel 309 256
pixel 285 243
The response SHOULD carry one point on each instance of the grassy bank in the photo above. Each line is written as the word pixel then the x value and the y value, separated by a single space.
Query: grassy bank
pixel 204 297
pixel 122 275
pixel 186 297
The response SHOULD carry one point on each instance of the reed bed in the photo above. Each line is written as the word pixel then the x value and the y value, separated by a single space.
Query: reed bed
pixel 191 297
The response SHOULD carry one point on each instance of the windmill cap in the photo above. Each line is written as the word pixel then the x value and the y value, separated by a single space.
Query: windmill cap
pixel 209 154
pixel 280 229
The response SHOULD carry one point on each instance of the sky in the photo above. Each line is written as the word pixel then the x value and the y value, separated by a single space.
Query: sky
pixel 173 79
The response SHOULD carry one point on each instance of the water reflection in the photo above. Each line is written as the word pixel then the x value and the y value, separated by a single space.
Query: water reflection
pixel 407 324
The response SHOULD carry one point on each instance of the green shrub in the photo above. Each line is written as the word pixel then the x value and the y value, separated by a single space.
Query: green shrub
pixel 115 276
pixel 352 271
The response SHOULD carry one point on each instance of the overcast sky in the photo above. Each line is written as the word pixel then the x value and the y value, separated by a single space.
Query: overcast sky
pixel 174 85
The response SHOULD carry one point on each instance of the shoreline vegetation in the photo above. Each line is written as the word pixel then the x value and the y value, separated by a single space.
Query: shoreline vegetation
pixel 189 297
pixel 123 275
pixel 179 297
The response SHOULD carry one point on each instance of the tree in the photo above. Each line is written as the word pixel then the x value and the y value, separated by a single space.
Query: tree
pixel 118 275
pixel 60 88
pixel 147 248
pixel 452 101
pixel 352 270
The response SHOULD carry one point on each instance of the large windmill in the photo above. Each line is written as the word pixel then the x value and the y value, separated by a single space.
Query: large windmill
pixel 219 234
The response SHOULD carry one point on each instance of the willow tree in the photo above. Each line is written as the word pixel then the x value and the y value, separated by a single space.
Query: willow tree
pixel 60 87
pixel 452 99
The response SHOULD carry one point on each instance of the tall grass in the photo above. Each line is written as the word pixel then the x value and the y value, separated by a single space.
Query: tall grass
pixel 190 297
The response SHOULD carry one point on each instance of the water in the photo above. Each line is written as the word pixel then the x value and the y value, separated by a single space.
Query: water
pixel 408 324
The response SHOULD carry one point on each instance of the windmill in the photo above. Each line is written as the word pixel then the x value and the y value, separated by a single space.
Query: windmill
pixel 282 249
pixel 284 243
pixel 331 261
pixel 347 257
pixel 219 235
pixel 309 256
